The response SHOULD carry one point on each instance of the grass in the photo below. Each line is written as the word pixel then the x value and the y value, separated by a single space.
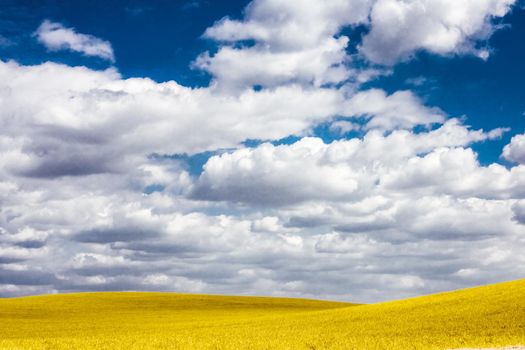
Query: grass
pixel 489 316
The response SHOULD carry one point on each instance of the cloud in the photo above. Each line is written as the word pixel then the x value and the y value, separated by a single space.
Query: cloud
pixel 238 68
pixel 519 211
pixel 399 29
pixel 298 46
pixel 268 175
pixel 54 36
pixel 457 171
pixel 83 122
pixel 349 170
pixel 253 253
pixel 402 109
pixel 515 150
pixel 113 235
pixel 296 26
pixel 29 278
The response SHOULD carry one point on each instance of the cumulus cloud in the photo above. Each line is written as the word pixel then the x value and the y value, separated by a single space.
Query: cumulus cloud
pixel 298 45
pixel 54 36
pixel 515 150
pixel 352 169
pixel 295 26
pixel 400 28
pixel 237 68
pixel 268 175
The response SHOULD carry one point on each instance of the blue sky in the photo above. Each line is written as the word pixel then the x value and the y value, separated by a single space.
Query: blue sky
pixel 259 147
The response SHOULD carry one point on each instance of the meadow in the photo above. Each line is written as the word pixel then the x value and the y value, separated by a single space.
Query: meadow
pixel 488 316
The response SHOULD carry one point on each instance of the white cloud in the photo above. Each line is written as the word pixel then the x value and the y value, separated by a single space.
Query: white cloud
pixel 56 37
pixel 402 109
pixel 234 68
pixel 268 175
pixel 290 24
pixel 400 28
pixel 70 116
pixel 515 150
pixel 350 170
pixel 457 171
pixel 298 45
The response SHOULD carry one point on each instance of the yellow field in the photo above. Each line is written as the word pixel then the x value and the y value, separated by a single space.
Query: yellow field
pixel 479 317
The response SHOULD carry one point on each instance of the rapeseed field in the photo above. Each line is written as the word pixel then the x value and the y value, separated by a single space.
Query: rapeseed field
pixel 489 316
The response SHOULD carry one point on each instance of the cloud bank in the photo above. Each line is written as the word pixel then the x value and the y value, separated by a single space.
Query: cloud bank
pixel 96 192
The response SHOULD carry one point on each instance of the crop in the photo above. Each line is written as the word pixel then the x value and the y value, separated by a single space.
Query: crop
pixel 488 316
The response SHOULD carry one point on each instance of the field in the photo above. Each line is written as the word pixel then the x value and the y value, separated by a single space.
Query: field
pixel 489 316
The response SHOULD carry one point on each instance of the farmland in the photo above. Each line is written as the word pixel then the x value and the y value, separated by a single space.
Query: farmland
pixel 488 316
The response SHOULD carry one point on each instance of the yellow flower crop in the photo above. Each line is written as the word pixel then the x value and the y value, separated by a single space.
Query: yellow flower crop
pixel 489 316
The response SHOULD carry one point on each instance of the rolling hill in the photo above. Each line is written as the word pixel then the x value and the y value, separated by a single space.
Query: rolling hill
pixel 488 316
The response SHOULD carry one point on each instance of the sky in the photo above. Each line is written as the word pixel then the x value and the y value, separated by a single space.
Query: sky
pixel 357 150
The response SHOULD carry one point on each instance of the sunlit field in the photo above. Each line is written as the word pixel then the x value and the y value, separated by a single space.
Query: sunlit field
pixel 489 316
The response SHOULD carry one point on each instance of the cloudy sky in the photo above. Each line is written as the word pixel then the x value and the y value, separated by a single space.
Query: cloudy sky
pixel 357 150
